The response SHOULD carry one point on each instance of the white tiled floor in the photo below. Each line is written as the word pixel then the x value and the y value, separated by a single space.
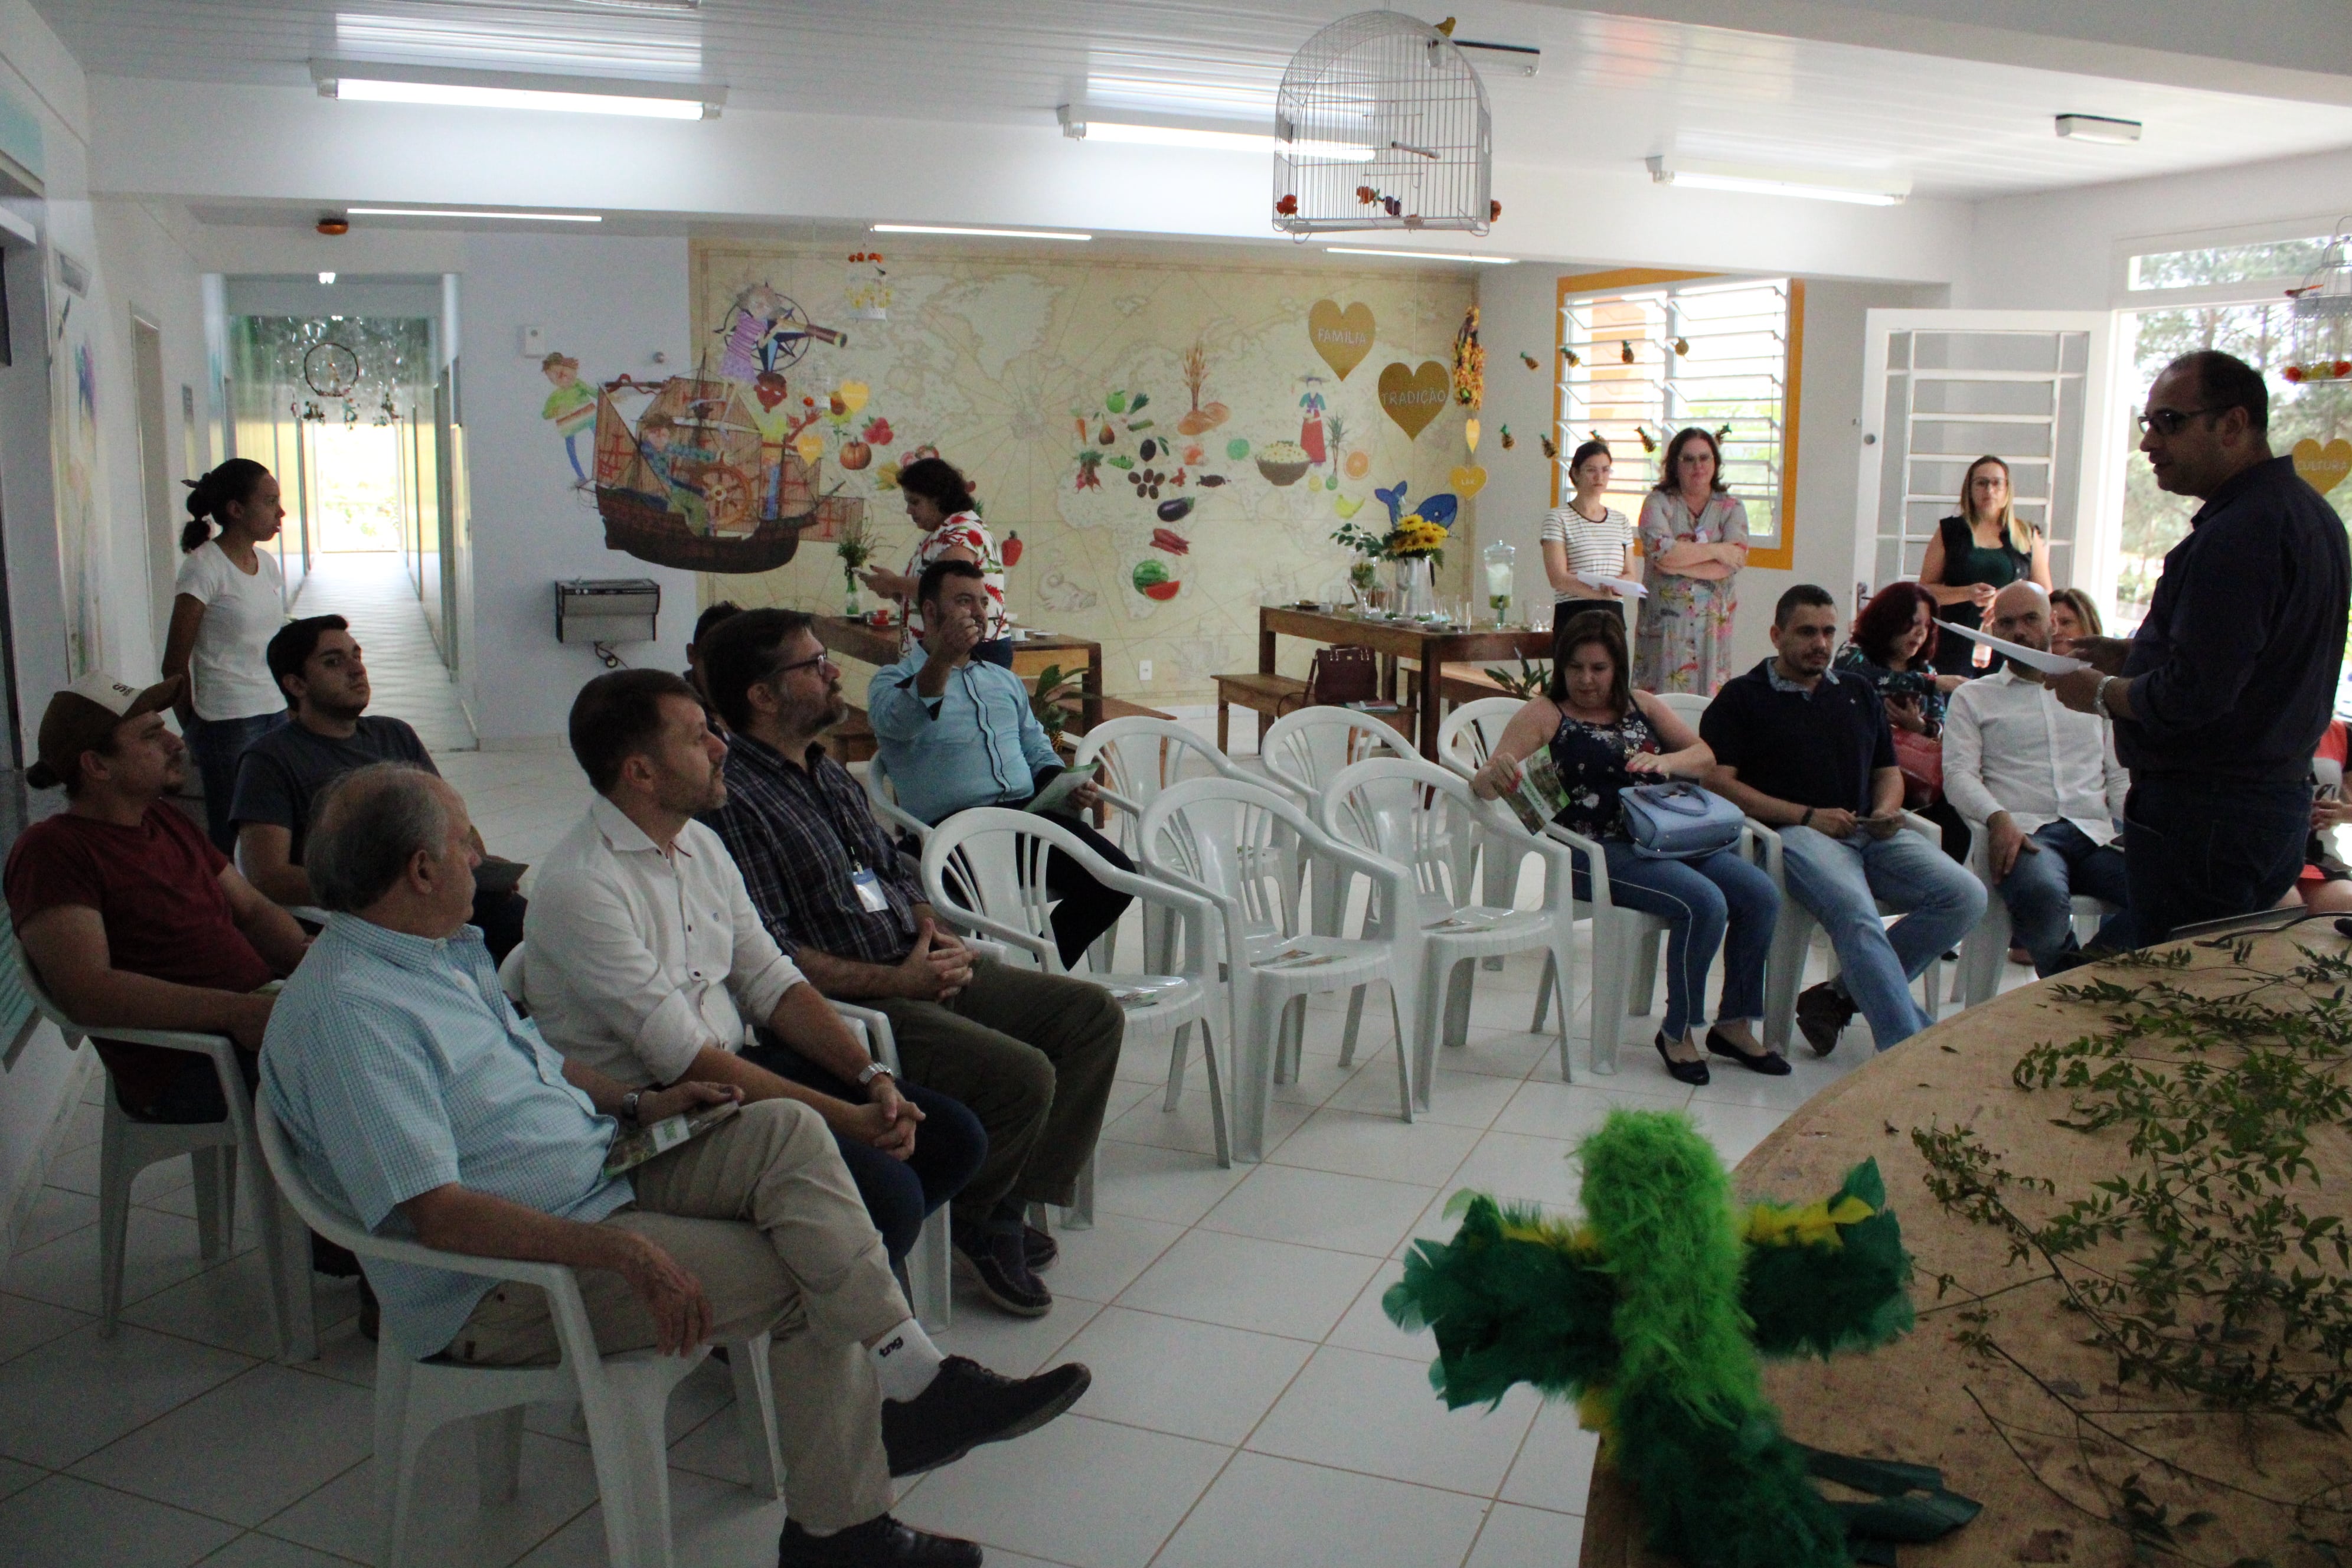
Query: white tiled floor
pixel 1251 1405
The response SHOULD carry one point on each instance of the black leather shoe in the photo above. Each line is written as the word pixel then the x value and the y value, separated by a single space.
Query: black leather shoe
pixel 1772 1064
pixel 880 1542
pixel 1038 1248
pixel 997 1265
pixel 1823 1014
pixel 966 1405
pixel 1683 1072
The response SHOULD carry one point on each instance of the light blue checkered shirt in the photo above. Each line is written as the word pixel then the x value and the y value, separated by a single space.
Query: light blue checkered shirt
pixel 397 1065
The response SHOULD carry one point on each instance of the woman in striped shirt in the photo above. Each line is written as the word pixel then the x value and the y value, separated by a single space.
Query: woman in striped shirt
pixel 1586 540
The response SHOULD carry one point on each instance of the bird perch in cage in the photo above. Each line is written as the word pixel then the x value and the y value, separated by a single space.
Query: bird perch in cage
pixel 1380 123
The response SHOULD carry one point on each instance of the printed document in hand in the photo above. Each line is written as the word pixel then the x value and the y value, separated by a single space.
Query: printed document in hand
pixel 2031 657
pixel 1063 786
pixel 1625 585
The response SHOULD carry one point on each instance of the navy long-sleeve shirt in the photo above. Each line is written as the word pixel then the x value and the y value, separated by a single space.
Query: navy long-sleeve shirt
pixel 2235 667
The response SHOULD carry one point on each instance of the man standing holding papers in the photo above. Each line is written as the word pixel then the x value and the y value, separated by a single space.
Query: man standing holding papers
pixel 2219 698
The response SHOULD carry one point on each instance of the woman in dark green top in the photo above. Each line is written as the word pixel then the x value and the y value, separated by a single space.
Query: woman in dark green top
pixel 1974 555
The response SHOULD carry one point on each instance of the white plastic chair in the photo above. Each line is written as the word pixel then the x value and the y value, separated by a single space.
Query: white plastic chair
pixel 1793 938
pixel 624 1396
pixel 1140 758
pixel 1303 753
pixel 1423 820
pixel 1986 948
pixel 928 1278
pixel 986 866
pixel 1464 741
pixel 1218 839
pixel 127 1146
pixel 1685 705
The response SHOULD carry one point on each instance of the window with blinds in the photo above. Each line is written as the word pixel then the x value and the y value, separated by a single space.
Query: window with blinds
pixel 1638 364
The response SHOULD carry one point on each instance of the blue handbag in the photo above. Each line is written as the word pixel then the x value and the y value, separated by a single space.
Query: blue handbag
pixel 1678 821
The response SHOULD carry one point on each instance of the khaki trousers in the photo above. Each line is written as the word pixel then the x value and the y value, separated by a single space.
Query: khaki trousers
pixel 762 1212
pixel 1033 1057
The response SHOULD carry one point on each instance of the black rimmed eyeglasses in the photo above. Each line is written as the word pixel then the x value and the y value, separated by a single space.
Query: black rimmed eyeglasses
pixel 2170 421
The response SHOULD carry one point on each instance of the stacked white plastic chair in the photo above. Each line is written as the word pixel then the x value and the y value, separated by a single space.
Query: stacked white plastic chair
pixel 883 795
pixel 624 1396
pixel 1140 758
pixel 1422 820
pixel 985 868
pixel 127 1146
pixel 1303 753
pixel 1217 839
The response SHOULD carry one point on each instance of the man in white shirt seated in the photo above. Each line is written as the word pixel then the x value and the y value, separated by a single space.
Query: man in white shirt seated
pixel 646 960
pixel 2040 781
pixel 421 1104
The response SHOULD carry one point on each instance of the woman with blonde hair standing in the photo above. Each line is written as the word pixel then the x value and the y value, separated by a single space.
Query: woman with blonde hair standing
pixel 228 601
pixel 1695 539
pixel 1977 552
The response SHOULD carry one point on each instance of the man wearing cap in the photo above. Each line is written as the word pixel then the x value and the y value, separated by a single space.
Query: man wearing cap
pixel 128 913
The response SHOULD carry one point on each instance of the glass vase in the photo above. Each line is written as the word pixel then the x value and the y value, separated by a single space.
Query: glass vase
pixel 1416 586
pixel 850 606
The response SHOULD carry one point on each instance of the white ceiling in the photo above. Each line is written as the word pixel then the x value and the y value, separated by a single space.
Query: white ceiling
pixel 1612 91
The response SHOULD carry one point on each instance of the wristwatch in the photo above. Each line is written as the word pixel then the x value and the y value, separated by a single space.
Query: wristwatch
pixel 873 1070
pixel 2099 696
pixel 629 1105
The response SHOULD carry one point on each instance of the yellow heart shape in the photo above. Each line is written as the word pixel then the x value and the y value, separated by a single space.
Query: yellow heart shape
pixel 1469 481
pixel 853 395
pixel 809 444
pixel 2323 468
pixel 1414 397
pixel 1342 337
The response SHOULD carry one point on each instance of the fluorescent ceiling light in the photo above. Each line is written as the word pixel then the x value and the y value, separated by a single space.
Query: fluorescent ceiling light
pixel 1868 191
pixel 326 277
pixel 509 89
pixel 1082 122
pixel 2098 128
pixel 462 212
pixel 1421 255
pixel 667 46
pixel 976 233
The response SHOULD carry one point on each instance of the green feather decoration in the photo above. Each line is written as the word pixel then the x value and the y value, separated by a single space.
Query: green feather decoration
pixel 1654 1313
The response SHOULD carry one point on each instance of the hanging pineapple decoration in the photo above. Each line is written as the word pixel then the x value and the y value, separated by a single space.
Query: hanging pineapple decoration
pixel 1569 355
pixel 1649 442
pixel 1626 351
pixel 1509 441
pixel 1528 358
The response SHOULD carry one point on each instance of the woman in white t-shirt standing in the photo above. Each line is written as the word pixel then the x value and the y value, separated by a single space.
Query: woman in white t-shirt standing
pixel 1586 540
pixel 228 600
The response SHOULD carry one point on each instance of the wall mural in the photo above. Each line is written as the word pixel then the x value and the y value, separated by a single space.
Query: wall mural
pixel 1169 446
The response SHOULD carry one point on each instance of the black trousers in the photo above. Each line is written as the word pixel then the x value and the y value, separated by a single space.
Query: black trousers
pixel 1086 908
pixel 899 1193
pixel 2204 849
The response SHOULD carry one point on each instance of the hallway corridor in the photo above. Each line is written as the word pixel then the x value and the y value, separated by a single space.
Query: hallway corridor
pixel 374 593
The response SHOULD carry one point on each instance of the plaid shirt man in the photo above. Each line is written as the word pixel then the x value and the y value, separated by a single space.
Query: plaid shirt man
pixel 803 837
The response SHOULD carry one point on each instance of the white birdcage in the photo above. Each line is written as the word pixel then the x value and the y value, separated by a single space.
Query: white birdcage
pixel 1381 124
pixel 2323 316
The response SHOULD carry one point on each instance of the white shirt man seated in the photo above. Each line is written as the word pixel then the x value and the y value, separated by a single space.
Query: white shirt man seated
pixel 647 960
pixel 2041 783
pixel 422 1104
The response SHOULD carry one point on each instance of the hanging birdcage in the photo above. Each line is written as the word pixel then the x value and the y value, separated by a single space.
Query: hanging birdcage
pixel 1380 123
pixel 2323 316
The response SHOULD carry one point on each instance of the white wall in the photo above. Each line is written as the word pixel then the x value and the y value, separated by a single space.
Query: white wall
pixel 606 303
pixel 1517 310
pixel 2058 251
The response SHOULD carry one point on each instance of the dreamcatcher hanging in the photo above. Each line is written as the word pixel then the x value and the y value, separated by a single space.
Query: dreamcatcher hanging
pixel 1380 123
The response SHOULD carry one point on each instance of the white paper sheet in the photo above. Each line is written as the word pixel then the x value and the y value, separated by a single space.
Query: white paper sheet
pixel 1625 585
pixel 2031 657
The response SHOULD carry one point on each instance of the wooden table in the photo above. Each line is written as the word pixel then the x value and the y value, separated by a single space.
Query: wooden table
pixel 879 646
pixel 1928 1400
pixel 1393 640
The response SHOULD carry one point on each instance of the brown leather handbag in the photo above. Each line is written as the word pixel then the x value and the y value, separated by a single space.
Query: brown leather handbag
pixel 1342 675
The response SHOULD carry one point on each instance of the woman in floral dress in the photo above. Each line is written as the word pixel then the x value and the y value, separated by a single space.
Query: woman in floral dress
pixel 1693 537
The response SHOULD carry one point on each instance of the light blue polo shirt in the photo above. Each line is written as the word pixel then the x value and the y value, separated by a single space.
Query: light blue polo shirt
pixel 397 1065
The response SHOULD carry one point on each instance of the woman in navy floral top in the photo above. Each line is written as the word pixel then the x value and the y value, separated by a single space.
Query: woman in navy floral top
pixel 1605 738
pixel 1893 648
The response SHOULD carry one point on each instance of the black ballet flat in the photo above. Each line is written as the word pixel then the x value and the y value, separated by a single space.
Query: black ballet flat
pixel 1694 1073
pixel 1771 1064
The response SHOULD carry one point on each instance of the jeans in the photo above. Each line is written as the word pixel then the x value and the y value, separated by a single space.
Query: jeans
pixel 1703 899
pixel 2039 888
pixel 1839 881
pixel 217 744
pixel 899 1193
pixel 2204 849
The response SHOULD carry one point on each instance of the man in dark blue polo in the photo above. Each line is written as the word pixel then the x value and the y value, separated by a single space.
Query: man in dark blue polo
pixel 2219 699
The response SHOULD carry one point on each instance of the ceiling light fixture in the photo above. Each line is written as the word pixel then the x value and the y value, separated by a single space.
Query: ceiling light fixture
pixel 465 212
pixel 1081 122
pixel 374 83
pixel 2098 128
pixel 976 233
pixel 326 277
pixel 1422 255
pixel 1870 190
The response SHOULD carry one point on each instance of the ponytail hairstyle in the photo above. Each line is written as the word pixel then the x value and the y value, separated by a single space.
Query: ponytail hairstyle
pixel 941 482
pixel 209 499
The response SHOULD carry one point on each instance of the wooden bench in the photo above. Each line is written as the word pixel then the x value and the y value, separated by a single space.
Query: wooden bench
pixel 1268 696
